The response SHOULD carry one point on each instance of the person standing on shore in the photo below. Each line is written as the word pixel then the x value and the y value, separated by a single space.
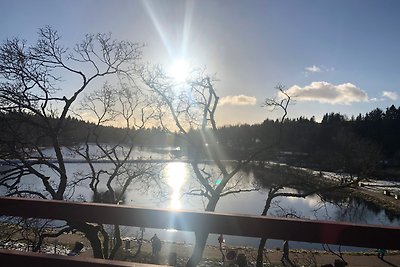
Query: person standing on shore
pixel 381 253
pixel 221 241
pixel 155 245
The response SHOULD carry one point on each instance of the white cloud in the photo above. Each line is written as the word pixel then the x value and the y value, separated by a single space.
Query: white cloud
pixel 325 92
pixel 390 95
pixel 313 68
pixel 238 100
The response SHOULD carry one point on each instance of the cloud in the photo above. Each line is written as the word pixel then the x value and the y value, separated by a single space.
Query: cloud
pixel 325 92
pixel 238 100
pixel 316 69
pixel 390 95
pixel 313 68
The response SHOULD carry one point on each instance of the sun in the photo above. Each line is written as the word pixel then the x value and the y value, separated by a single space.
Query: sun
pixel 179 70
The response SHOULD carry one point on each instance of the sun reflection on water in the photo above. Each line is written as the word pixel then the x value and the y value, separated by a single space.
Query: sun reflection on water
pixel 176 176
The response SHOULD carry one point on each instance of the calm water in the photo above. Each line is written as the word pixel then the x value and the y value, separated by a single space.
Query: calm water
pixel 177 179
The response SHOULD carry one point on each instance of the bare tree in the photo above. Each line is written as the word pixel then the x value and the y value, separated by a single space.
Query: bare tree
pixel 286 181
pixel 39 86
pixel 282 180
pixel 110 105
pixel 338 254
pixel 190 108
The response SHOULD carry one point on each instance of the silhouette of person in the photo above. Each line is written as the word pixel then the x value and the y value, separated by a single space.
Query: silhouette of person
pixel 381 253
pixel 285 255
pixel 155 245
pixel 221 241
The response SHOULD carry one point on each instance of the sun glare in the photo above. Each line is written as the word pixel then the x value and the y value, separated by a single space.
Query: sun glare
pixel 179 70
pixel 176 174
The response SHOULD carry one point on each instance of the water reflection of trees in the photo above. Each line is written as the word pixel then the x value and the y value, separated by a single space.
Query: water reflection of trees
pixel 349 208
pixel 358 210
pixel 282 181
pixel 354 211
pixel 283 176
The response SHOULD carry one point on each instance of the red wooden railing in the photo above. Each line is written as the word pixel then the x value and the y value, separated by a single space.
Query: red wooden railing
pixel 369 236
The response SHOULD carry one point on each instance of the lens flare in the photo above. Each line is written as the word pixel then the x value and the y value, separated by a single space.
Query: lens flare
pixel 176 176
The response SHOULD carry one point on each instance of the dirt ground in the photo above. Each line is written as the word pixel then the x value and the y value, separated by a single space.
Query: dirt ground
pixel 212 255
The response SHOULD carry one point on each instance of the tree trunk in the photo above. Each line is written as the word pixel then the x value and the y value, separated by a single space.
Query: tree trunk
pixel 38 245
pixel 139 242
pixel 95 243
pixel 260 252
pixel 91 233
pixel 106 241
pixel 118 242
pixel 201 237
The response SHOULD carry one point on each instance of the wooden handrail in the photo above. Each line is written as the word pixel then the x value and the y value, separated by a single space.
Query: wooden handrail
pixel 11 258
pixel 369 236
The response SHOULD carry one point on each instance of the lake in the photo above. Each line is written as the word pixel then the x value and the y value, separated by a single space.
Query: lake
pixel 177 178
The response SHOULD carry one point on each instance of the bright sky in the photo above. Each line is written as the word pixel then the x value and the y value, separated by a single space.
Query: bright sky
pixel 333 56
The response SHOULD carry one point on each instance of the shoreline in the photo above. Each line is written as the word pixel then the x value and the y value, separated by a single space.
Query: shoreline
pixel 212 255
pixel 386 202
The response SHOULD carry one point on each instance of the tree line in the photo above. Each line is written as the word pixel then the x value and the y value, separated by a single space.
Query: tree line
pixel 337 143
